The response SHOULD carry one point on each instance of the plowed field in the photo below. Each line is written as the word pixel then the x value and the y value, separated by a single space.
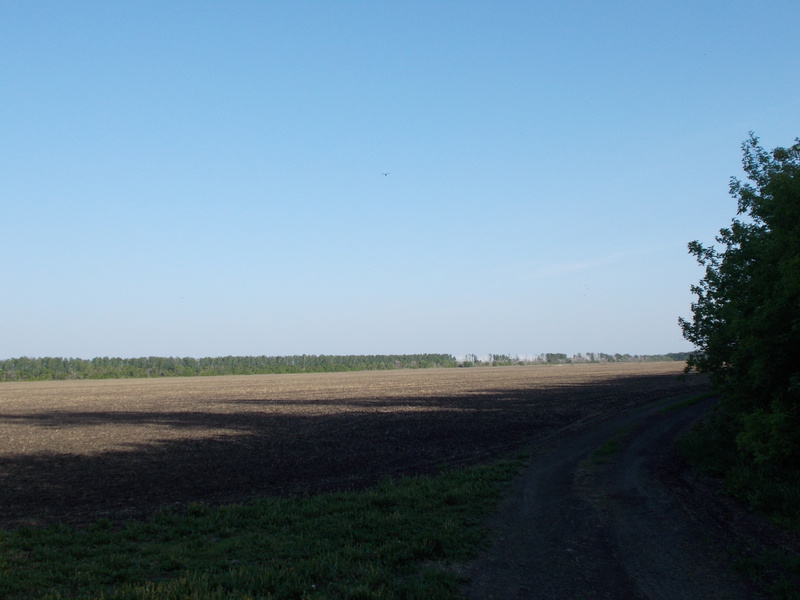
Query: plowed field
pixel 74 451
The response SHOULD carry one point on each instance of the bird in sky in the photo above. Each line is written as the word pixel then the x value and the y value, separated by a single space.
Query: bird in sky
pixel 385 174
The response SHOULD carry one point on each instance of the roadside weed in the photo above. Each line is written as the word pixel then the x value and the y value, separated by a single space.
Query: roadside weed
pixel 396 540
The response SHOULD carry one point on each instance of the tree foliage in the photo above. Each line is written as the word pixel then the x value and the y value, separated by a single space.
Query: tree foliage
pixel 47 368
pixel 746 320
pixel 28 369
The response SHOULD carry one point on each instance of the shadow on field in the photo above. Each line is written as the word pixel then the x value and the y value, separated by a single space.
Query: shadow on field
pixel 288 446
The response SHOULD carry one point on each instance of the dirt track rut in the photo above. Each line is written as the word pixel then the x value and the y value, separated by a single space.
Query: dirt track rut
pixel 575 526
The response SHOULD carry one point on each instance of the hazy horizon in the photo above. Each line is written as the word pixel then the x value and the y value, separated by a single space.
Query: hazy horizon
pixel 485 357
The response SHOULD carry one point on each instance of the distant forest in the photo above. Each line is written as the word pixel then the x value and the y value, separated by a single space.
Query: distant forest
pixel 42 369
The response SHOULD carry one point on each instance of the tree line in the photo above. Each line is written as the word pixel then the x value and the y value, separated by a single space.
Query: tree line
pixel 48 368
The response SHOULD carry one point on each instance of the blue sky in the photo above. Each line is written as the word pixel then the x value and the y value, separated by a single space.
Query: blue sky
pixel 206 178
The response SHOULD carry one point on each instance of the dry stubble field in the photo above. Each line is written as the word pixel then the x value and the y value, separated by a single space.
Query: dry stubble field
pixel 75 451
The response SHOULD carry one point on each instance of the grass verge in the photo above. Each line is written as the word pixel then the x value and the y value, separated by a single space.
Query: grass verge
pixel 399 539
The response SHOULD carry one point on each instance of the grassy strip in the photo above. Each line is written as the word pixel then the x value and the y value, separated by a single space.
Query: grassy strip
pixel 604 453
pixel 688 402
pixel 396 540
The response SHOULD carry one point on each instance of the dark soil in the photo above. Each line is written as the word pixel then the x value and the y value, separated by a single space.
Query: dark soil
pixel 73 452
pixel 635 523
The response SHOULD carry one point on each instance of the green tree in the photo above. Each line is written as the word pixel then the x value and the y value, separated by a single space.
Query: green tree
pixel 746 320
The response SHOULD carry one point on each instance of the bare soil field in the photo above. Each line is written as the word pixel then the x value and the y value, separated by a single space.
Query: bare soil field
pixel 76 451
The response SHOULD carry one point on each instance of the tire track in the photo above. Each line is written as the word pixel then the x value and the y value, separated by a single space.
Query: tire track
pixel 572 528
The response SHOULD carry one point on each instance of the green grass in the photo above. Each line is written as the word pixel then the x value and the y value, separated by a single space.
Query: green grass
pixel 400 539
pixel 687 402
pixel 604 453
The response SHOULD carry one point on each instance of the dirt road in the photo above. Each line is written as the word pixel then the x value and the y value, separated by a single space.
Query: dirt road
pixel 601 516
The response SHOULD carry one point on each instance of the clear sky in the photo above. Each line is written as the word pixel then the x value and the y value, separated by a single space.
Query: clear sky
pixel 207 178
